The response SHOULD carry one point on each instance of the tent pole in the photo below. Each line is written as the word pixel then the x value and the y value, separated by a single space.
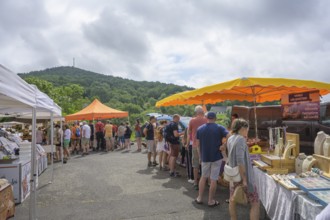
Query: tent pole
pixel 255 118
pixel 94 141
pixel 52 144
pixel 32 204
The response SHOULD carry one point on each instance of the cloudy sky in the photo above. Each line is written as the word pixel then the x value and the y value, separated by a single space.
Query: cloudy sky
pixel 192 43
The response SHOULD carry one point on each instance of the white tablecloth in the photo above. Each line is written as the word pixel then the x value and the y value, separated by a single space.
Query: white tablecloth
pixel 283 204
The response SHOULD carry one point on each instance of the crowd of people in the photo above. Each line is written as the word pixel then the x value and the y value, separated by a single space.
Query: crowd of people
pixel 205 148
pixel 79 138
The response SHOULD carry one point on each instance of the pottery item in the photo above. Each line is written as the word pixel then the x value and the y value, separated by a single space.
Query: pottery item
pixel 308 163
pixel 318 143
pixel 326 147
pixel 299 161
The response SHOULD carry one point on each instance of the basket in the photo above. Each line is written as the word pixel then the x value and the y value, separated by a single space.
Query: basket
pixel 271 171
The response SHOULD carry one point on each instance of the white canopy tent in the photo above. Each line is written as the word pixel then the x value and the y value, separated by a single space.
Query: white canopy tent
pixel 15 93
pixel 18 97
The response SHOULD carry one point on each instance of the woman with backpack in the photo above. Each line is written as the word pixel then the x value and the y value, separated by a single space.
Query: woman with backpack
pixel 162 154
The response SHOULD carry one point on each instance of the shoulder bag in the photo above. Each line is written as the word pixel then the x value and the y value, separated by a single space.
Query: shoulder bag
pixel 231 174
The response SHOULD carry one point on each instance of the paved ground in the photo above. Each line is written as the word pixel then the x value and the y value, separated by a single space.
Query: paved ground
pixel 118 185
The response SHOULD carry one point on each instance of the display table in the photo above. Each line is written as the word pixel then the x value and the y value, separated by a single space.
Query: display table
pixel 18 174
pixel 283 204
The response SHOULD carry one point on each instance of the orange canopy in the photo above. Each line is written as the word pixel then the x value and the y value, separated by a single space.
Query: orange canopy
pixel 96 110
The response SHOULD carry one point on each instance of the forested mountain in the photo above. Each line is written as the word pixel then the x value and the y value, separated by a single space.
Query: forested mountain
pixel 74 88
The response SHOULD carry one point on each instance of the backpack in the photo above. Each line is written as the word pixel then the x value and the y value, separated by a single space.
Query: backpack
pixel 168 133
pixel 159 133
pixel 78 133
pixel 142 129
pixel 128 131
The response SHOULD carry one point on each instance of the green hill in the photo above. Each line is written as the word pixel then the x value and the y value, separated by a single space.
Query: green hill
pixel 74 88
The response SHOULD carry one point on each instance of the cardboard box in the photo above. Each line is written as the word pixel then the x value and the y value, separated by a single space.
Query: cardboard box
pixel 7 205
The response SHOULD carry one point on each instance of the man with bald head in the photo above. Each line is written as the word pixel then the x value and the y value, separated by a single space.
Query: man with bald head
pixel 194 124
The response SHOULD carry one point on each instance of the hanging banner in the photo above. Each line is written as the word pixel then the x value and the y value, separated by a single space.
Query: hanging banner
pixel 301 106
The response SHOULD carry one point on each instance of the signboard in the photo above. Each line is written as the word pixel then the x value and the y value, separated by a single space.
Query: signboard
pixel 11 173
pixel 301 106
pixel 25 180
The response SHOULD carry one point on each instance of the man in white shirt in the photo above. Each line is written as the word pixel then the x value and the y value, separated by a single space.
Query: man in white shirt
pixel 86 134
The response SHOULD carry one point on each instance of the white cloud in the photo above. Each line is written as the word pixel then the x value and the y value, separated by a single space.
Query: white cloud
pixel 192 43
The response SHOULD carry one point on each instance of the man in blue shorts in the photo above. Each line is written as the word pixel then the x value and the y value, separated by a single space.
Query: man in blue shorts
pixel 209 140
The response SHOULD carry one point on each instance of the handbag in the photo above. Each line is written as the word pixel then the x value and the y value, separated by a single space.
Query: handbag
pixel 239 196
pixel 231 174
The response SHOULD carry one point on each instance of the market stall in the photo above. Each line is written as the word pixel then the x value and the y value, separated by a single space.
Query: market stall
pixel 281 203
pixel 16 97
pixel 281 168
pixel 95 111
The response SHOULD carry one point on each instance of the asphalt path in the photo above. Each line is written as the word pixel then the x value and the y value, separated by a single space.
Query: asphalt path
pixel 119 185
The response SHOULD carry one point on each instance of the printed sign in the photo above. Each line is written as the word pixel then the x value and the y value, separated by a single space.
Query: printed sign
pixel 25 178
pixel 301 106
pixel 11 173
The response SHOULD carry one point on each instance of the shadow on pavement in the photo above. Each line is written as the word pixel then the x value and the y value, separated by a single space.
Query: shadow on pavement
pixel 146 171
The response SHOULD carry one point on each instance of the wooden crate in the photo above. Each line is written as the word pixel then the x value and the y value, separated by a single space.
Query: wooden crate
pixel 323 163
pixel 277 162
pixel 261 165
pixel 271 171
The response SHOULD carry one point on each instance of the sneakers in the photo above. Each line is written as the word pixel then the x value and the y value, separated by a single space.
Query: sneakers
pixel 174 174
pixel 191 181
pixel 149 164
pixel 154 163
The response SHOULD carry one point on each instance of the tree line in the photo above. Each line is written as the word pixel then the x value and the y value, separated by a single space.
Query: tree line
pixel 74 88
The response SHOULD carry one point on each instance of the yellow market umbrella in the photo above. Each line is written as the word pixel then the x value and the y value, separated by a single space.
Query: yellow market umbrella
pixel 251 89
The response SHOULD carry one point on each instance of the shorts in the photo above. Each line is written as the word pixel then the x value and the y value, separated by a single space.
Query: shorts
pixel 108 138
pixel 84 141
pixel 211 169
pixel 252 197
pixel 151 146
pixel 160 146
pixel 175 148
pixel 195 158
pixel 75 142
pixel 66 143
pixel 121 139
pixel 137 134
